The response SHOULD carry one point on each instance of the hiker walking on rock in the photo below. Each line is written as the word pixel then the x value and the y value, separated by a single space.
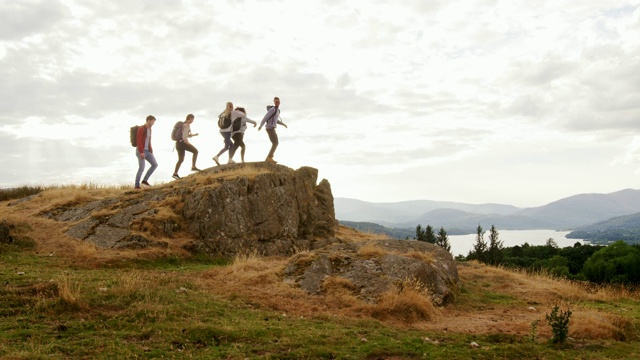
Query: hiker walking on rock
pixel 272 119
pixel 224 123
pixel 238 128
pixel 144 151
pixel 183 144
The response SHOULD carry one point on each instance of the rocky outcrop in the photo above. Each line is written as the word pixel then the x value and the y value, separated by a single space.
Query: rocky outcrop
pixel 256 207
pixel 278 212
pixel 375 267
pixel 266 209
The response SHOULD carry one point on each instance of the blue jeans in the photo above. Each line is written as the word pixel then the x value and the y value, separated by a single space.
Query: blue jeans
pixel 151 159
pixel 227 142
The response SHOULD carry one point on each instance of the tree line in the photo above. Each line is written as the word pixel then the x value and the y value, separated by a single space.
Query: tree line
pixel 616 263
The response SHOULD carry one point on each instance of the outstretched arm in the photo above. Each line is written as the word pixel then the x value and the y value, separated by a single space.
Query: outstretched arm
pixel 270 113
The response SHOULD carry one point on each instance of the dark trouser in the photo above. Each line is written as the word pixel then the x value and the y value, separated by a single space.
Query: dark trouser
pixel 182 147
pixel 237 143
pixel 273 137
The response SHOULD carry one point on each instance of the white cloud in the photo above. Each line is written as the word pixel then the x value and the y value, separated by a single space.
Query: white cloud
pixel 475 101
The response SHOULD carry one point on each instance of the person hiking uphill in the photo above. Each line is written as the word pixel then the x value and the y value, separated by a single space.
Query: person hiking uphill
pixel 183 144
pixel 240 122
pixel 224 123
pixel 144 151
pixel 272 119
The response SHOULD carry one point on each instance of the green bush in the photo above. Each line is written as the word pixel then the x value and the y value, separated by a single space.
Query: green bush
pixel 19 192
pixel 559 322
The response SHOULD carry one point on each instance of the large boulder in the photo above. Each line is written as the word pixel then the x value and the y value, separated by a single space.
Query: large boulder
pixel 275 213
pixel 375 267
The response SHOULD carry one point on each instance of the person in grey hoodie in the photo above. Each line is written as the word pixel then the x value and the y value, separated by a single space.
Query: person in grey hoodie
pixel 272 119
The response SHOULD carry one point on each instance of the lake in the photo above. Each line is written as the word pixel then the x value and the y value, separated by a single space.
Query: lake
pixel 462 244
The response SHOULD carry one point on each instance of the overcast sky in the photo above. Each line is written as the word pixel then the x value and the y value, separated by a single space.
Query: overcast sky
pixel 484 101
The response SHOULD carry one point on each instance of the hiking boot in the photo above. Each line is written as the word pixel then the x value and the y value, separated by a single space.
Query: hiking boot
pixel 137 188
pixel 215 158
pixel 176 176
pixel 145 183
pixel 231 161
pixel 195 169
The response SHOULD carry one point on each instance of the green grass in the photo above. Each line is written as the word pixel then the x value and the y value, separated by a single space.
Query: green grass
pixel 157 309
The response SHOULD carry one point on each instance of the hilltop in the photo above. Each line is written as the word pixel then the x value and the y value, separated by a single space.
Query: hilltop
pixel 165 294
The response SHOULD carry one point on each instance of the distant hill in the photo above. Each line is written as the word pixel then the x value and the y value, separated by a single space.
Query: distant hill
pixel 567 213
pixel 396 233
pixel 399 213
pixel 585 209
pixel 626 228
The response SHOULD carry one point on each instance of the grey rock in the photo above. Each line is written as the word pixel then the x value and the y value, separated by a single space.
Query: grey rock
pixel 83 229
pixel 269 212
pixel 373 275
pixel 22 200
pixel 133 242
pixel 106 237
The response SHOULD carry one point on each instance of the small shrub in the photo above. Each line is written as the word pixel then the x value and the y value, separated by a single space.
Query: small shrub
pixel 423 256
pixel 372 250
pixel 411 303
pixel 534 330
pixel 19 192
pixel 559 322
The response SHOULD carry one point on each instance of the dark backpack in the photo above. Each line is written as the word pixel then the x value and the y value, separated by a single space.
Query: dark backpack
pixel 176 134
pixel 224 122
pixel 237 124
pixel 133 134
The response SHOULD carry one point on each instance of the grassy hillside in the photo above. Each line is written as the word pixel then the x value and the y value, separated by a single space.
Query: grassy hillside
pixel 64 299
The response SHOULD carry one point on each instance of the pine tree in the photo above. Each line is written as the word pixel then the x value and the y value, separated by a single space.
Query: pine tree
pixel 495 247
pixel 430 235
pixel 442 239
pixel 420 233
pixel 480 247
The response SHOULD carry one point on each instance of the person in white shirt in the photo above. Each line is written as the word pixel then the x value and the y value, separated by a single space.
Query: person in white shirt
pixel 224 123
pixel 239 115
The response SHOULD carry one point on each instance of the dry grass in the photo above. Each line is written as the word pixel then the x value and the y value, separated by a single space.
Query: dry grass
pixel 423 256
pixel 347 233
pixel 515 299
pixel 217 176
pixel 339 294
pixel 70 292
pixel 372 250
pixel 411 304
pixel 492 301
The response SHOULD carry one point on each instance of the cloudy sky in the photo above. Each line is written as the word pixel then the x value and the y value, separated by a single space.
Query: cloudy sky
pixel 485 101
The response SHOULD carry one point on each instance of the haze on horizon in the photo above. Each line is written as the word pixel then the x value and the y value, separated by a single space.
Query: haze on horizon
pixel 494 101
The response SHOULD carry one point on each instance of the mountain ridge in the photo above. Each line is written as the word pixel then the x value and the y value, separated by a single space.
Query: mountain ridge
pixel 567 213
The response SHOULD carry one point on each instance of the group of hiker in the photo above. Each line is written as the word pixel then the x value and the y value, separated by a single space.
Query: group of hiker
pixel 232 123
